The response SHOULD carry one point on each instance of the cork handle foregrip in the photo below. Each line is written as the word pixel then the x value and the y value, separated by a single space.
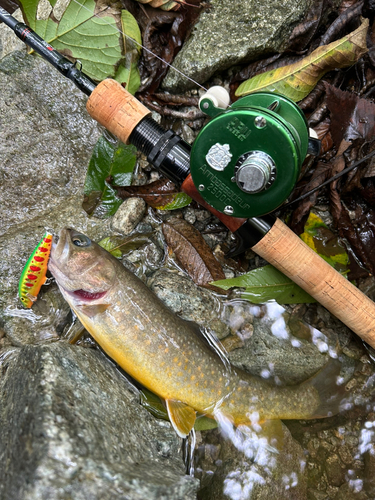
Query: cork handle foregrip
pixel 287 252
pixel 116 109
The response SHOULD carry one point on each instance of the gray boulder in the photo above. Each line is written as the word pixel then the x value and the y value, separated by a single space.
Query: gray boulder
pixel 71 426
pixel 234 32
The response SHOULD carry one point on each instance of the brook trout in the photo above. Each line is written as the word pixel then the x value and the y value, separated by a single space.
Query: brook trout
pixel 164 353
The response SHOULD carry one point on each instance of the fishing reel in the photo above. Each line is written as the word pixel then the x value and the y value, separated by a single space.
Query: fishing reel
pixel 246 161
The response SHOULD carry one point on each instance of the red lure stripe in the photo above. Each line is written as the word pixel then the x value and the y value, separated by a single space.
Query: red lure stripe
pixel 34 273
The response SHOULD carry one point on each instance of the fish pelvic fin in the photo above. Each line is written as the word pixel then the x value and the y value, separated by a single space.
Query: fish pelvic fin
pixel 93 310
pixel 331 391
pixel 181 416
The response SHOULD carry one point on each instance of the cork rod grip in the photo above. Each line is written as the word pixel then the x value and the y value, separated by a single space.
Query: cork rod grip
pixel 287 252
pixel 116 109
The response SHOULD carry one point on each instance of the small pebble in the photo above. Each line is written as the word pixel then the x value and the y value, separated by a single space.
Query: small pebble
pixel 128 215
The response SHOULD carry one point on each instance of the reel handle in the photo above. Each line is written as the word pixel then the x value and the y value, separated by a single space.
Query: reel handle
pixel 120 112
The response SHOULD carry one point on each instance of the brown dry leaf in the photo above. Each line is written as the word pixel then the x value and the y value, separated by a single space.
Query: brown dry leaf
pixel 323 131
pixel 297 80
pixel 352 117
pixel 192 251
pixel 155 194
pixel 321 173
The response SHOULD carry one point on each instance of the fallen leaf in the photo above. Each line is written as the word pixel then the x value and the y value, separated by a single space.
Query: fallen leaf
pixel 304 32
pixel 117 161
pixel 128 73
pixel 320 174
pixel 297 80
pixel 88 33
pixel 358 236
pixel 163 35
pixel 323 131
pixel 192 251
pixel 352 117
pixel 325 243
pixel 119 246
pixel 161 194
pixel 264 284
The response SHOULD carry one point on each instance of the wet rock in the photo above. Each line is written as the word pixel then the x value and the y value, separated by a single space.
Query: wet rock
pixel 44 322
pixel 335 471
pixel 72 427
pixel 146 259
pixel 128 215
pixel 275 353
pixel 233 32
pixel 47 139
pixel 246 467
pixel 187 300
pixel 8 41
pixel 351 492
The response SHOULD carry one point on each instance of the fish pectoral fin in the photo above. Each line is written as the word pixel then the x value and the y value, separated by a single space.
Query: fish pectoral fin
pixel 181 416
pixel 93 310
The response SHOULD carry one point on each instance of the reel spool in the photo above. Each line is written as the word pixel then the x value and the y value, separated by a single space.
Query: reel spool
pixel 246 161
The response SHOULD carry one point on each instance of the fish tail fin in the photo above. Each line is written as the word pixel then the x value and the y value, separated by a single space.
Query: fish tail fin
pixel 330 389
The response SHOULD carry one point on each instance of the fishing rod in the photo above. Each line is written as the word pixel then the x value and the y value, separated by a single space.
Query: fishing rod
pixel 242 166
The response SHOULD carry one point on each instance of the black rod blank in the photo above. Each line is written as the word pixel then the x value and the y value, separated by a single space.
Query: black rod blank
pixel 58 61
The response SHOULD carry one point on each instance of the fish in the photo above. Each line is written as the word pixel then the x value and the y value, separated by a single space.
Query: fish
pixel 34 273
pixel 164 353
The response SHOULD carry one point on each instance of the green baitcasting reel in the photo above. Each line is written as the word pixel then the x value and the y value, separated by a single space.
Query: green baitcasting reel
pixel 247 159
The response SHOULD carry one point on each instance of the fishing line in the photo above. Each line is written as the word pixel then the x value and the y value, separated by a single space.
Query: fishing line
pixel 139 44
pixel 331 179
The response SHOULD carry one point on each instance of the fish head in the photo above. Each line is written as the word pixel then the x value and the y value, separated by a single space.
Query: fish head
pixel 84 271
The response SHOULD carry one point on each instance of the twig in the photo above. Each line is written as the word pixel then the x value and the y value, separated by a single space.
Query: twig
pixel 340 22
pixel 194 114
pixel 335 177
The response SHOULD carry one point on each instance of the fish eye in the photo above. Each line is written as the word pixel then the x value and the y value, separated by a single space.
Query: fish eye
pixel 80 240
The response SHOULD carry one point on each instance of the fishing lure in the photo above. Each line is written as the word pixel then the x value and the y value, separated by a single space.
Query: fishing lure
pixel 34 273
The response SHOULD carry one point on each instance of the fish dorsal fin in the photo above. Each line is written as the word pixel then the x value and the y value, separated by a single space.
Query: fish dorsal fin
pixel 93 310
pixel 182 417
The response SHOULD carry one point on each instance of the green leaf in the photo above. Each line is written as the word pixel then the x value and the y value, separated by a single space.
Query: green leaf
pixel 119 246
pixel 128 73
pixel 297 80
pixel 267 283
pixel 180 200
pixel 325 243
pixel 29 10
pixel 108 245
pixel 94 40
pixel 153 404
pixel 109 160
pixel 133 38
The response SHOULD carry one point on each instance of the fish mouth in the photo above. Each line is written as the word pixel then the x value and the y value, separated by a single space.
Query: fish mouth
pixel 86 296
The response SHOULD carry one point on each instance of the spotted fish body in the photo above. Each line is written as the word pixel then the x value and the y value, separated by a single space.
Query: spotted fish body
pixel 34 273
pixel 164 353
